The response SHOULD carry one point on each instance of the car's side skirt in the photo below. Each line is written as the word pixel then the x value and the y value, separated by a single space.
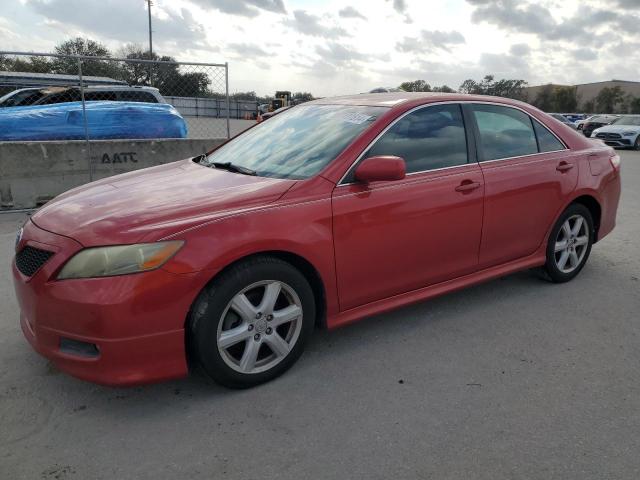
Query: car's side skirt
pixel 349 316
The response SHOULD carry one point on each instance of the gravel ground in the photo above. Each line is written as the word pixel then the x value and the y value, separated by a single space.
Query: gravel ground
pixel 512 379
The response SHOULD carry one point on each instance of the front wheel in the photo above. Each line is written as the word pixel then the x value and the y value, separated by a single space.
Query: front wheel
pixel 636 145
pixel 569 244
pixel 251 324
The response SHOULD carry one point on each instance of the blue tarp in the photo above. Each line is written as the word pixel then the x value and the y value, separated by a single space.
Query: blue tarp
pixel 106 120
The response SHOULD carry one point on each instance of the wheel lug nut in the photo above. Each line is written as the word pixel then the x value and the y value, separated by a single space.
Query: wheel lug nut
pixel 250 327
pixel 269 331
pixel 269 318
pixel 256 337
pixel 259 315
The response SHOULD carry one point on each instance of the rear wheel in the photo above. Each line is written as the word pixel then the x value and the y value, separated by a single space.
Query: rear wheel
pixel 569 244
pixel 251 324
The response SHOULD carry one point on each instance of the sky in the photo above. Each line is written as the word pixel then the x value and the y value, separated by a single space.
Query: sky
pixel 334 47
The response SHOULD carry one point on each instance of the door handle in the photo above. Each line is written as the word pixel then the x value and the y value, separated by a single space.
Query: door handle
pixel 564 167
pixel 467 186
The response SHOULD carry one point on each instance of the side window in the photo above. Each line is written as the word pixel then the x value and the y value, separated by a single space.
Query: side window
pixel 546 140
pixel 504 132
pixel 128 96
pixel 429 138
pixel 71 95
pixel 100 95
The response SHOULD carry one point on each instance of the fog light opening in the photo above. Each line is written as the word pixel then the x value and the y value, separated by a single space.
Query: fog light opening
pixel 78 348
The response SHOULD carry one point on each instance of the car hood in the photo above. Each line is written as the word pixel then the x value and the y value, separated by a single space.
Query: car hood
pixel 155 202
pixel 618 129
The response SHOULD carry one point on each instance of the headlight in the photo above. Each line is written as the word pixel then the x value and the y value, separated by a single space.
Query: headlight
pixel 119 260
pixel 628 134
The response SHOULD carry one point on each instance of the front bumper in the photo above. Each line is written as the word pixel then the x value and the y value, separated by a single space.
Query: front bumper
pixel 615 140
pixel 135 322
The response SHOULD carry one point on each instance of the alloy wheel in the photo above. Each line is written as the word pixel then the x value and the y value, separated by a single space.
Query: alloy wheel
pixel 259 326
pixel 571 244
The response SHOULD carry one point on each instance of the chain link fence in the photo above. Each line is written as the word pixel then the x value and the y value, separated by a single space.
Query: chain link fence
pixel 44 80
pixel 100 115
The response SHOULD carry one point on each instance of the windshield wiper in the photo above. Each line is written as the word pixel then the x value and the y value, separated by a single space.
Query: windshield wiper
pixel 231 167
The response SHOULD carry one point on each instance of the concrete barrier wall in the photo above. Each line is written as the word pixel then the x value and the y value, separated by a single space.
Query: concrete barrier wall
pixel 31 173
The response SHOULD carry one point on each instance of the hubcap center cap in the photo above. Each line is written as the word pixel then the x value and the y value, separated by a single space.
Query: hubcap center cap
pixel 261 325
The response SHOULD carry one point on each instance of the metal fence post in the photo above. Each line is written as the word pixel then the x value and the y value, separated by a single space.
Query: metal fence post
pixel 86 124
pixel 226 81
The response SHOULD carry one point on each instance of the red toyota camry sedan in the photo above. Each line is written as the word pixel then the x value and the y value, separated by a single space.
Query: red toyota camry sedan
pixel 327 213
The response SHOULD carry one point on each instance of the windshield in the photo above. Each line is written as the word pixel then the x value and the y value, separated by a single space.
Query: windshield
pixel 297 143
pixel 635 120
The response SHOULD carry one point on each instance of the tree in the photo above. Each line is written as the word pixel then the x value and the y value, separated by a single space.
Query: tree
pixel 443 89
pixel 423 86
pixel 501 88
pixel 165 76
pixel 589 107
pixel 469 86
pixel 545 99
pixel 608 98
pixel 634 105
pixel 301 97
pixel 84 47
pixel 565 99
pixel 508 88
pixel 415 86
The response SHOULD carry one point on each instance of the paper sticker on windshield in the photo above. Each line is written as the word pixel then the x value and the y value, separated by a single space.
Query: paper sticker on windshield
pixel 357 118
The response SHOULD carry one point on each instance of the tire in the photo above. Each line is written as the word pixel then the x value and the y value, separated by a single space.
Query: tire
pixel 565 264
pixel 233 303
pixel 636 145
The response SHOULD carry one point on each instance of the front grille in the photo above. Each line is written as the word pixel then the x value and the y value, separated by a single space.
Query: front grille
pixel 609 135
pixel 30 259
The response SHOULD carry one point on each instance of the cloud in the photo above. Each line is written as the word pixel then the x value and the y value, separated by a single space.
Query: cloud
pixel 535 18
pixel 504 66
pixel 309 24
pixel 430 39
pixel 338 54
pixel 584 54
pixel 248 49
pixel 244 8
pixel 627 3
pixel 350 12
pixel 120 20
pixel 400 6
pixel 520 49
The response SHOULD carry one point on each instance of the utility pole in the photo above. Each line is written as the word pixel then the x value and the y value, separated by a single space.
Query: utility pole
pixel 149 3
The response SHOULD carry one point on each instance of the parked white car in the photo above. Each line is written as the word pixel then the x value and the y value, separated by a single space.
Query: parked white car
pixel 622 132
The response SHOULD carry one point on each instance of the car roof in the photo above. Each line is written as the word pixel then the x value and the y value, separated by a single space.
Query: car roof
pixel 121 87
pixel 394 99
pixel 60 88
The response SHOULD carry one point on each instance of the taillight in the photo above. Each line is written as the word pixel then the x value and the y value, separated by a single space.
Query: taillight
pixel 615 161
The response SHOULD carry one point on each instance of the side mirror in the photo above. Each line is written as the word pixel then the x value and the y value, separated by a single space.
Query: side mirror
pixel 381 168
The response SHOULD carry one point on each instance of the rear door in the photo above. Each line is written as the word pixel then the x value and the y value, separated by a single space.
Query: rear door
pixel 396 236
pixel 528 173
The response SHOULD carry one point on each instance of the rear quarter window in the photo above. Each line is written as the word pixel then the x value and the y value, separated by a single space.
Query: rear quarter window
pixel 547 141
pixel 504 132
